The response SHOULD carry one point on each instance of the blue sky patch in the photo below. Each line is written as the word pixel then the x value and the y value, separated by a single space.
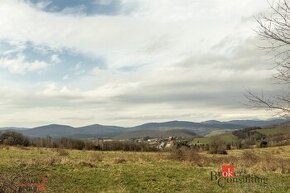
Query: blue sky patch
pixel 86 7
pixel 64 65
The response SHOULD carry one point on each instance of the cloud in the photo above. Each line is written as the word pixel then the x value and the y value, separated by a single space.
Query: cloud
pixel 83 7
pixel 19 65
pixel 55 59
pixel 143 61
pixel 134 39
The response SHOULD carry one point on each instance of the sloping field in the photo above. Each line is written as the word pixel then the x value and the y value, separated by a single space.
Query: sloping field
pixel 86 171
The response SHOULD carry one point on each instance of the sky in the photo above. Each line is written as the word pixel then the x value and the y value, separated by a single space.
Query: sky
pixel 126 62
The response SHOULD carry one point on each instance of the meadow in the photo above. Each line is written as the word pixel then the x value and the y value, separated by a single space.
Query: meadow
pixel 75 171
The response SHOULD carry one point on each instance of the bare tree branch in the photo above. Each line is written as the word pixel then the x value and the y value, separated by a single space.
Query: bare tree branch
pixel 274 28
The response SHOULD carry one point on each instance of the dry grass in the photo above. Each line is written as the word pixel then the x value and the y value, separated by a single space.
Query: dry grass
pixel 179 171
pixel 200 159
pixel 96 157
pixel 61 152
pixel 119 160
pixel 249 159
pixel 87 164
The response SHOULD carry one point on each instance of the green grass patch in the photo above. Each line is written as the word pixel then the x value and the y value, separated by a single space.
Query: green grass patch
pixel 225 137
pixel 127 172
pixel 274 131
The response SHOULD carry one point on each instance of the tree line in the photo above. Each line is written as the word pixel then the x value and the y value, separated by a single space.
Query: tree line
pixel 13 138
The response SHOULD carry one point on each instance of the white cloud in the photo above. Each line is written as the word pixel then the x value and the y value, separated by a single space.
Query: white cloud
pixel 55 59
pixel 196 57
pixel 124 40
pixel 19 65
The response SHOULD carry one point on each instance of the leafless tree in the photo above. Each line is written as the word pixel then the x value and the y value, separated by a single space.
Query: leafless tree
pixel 274 29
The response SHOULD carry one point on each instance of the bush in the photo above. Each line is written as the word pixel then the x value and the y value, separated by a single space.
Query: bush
pixel 13 138
pixel 218 151
pixel 217 147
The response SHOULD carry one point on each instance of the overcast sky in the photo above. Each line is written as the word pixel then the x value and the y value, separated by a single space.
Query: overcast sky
pixel 127 62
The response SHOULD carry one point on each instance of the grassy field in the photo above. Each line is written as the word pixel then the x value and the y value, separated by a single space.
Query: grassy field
pixel 225 137
pixel 87 171
pixel 271 131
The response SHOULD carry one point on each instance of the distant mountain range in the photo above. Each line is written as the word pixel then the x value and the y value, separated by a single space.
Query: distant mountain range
pixel 163 129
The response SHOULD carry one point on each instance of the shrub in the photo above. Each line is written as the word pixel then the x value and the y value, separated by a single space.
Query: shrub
pixel 13 138
pixel 176 154
pixel 218 151
pixel 217 147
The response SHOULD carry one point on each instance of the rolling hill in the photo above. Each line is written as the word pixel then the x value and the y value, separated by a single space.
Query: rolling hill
pixel 57 131
pixel 171 128
pixel 184 133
